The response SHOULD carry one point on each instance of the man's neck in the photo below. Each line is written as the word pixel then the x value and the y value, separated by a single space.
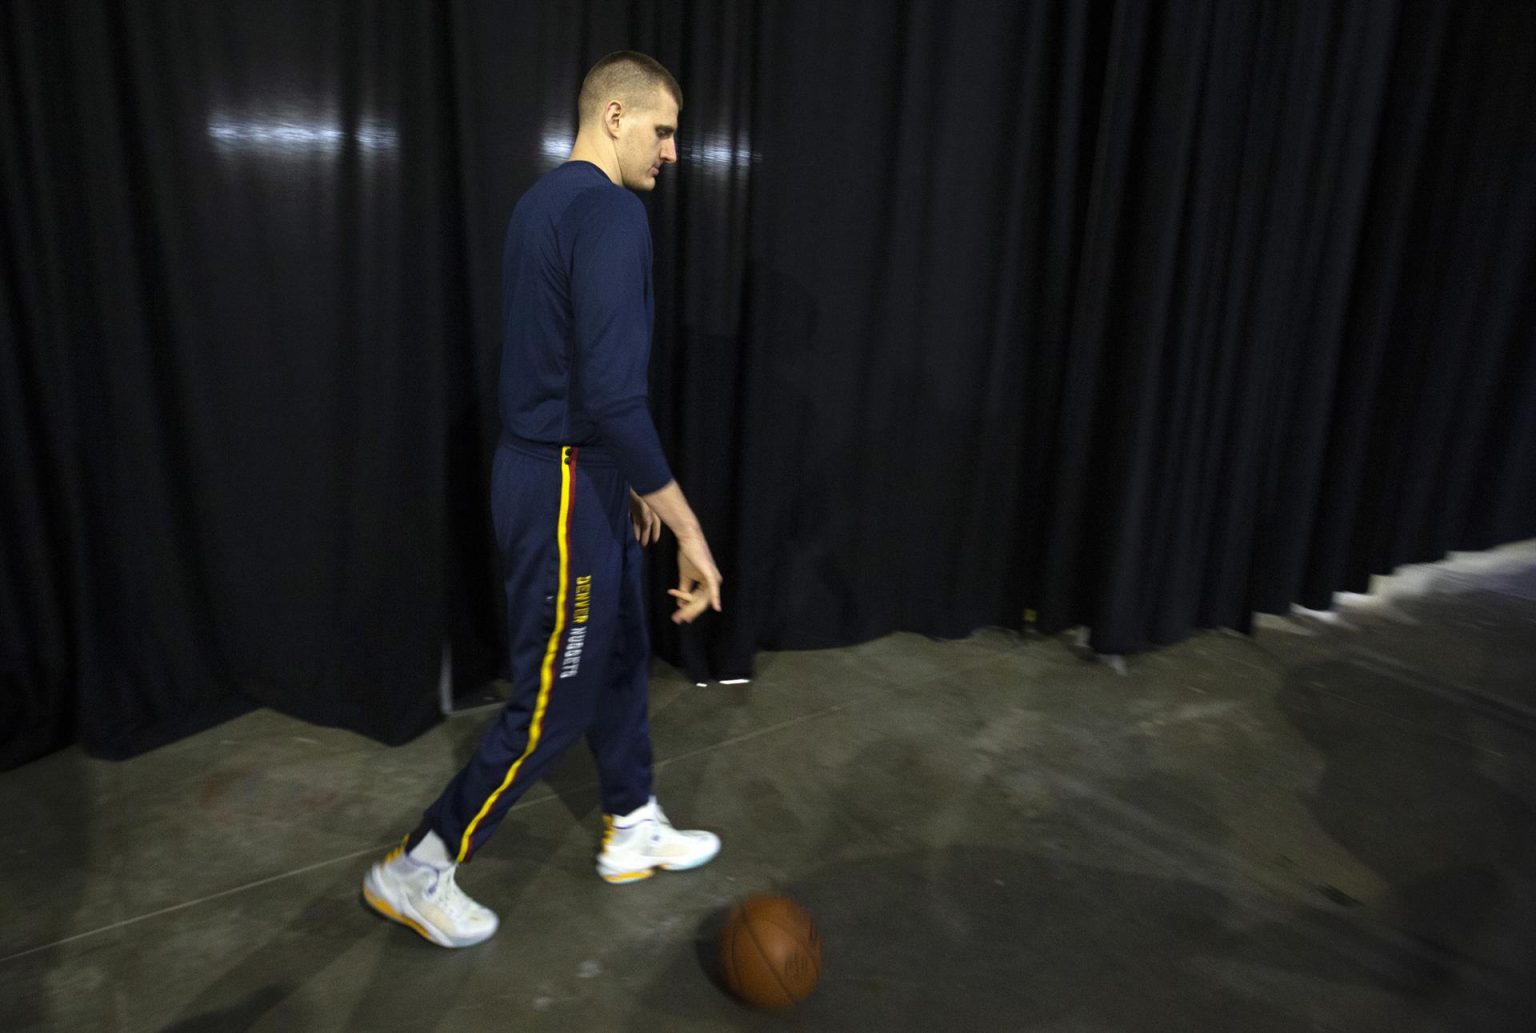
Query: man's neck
pixel 591 151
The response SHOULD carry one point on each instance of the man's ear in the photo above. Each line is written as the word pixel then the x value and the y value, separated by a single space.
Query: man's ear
pixel 612 112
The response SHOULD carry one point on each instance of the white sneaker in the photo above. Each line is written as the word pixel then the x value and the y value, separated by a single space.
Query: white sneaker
pixel 640 842
pixel 417 889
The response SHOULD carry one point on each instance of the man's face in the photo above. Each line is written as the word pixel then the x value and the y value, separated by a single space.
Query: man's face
pixel 647 141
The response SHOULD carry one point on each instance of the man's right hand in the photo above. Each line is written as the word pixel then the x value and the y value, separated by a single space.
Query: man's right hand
pixel 698 580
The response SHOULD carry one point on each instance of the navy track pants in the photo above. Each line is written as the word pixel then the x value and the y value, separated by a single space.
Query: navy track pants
pixel 580 653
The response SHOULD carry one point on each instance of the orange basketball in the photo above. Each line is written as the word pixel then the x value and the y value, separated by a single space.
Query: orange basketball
pixel 770 953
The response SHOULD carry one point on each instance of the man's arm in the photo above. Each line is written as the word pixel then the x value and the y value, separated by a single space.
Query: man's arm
pixel 613 343
pixel 612 331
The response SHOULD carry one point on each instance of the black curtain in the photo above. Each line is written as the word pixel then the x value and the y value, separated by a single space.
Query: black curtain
pixel 236 331
pixel 1137 316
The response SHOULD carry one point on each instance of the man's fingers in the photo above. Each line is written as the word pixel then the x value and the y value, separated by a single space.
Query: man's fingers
pixel 646 522
pixel 698 581
pixel 686 614
pixel 690 602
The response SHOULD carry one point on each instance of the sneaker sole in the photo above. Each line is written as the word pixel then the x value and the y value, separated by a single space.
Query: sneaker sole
pixel 619 878
pixel 382 907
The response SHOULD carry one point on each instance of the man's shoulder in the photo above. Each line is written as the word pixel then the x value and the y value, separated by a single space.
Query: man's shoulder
pixel 605 198
pixel 606 209
pixel 578 200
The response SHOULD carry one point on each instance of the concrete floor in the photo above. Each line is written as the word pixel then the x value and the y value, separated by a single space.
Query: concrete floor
pixel 1329 826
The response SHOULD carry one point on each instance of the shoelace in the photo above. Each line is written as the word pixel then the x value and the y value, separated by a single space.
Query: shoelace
pixel 445 891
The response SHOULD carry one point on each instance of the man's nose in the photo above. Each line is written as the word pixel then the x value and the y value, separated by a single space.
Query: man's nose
pixel 669 150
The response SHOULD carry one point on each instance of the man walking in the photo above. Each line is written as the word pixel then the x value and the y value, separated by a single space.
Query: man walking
pixel 579 485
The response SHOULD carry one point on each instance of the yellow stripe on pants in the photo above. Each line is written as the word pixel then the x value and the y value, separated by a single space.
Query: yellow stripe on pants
pixel 547 671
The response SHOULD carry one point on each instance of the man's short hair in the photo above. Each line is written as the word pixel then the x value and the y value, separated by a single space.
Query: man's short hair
pixel 629 76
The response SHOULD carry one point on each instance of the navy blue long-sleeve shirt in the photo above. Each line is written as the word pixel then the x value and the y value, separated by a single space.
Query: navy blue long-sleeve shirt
pixel 577 314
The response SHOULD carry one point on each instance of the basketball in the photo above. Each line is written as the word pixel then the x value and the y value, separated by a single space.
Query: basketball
pixel 770 953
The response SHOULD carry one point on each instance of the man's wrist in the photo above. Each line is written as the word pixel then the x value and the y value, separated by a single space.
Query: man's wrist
pixel 674 511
